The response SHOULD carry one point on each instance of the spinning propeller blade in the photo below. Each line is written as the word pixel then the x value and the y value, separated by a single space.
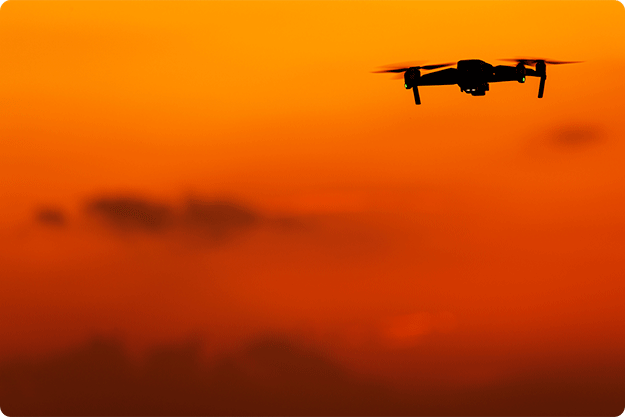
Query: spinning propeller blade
pixel 534 61
pixel 425 67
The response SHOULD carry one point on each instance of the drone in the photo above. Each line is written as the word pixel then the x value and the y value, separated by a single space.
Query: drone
pixel 474 75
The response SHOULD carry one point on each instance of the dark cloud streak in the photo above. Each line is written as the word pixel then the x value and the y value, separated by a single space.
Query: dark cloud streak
pixel 131 213
pixel 218 219
pixel 50 216
pixel 574 136
pixel 213 220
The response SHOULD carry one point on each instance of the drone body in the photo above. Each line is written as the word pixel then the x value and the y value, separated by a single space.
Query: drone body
pixel 473 76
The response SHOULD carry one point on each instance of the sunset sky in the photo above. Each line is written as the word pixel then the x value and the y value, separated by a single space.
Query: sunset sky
pixel 231 178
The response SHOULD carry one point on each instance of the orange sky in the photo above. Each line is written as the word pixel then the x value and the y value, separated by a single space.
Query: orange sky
pixel 229 170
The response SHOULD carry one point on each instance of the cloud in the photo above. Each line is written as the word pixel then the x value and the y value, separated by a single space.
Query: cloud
pixel 577 135
pixel 217 219
pixel 50 216
pixel 271 377
pixel 214 220
pixel 128 213
pixel 566 139
pixel 275 376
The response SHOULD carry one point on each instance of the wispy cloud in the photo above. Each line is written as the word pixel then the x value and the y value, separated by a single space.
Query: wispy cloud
pixel 577 135
pixel 215 220
pixel 51 216
pixel 131 213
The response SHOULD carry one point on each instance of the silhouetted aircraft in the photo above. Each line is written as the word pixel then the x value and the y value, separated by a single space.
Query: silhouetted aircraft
pixel 474 75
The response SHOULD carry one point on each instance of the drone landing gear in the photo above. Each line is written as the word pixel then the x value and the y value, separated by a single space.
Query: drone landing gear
pixel 417 99
pixel 541 89
pixel 541 68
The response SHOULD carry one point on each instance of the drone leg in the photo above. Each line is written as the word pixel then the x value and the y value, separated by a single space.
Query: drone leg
pixel 417 99
pixel 541 89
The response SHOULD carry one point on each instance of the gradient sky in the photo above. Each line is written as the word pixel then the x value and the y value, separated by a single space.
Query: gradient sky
pixel 225 171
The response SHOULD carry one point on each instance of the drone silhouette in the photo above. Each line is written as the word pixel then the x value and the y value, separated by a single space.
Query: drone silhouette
pixel 474 75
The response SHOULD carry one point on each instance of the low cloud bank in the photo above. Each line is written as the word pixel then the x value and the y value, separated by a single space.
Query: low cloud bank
pixel 274 376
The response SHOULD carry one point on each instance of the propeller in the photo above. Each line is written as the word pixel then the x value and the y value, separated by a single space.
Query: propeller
pixel 425 67
pixel 534 61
